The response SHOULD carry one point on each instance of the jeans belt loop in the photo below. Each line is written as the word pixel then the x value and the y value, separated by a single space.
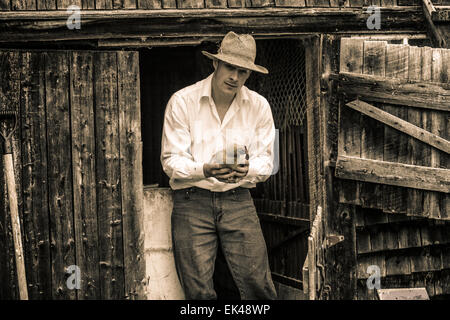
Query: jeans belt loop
pixel 187 196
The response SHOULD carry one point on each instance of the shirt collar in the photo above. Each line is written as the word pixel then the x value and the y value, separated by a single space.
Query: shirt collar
pixel 241 96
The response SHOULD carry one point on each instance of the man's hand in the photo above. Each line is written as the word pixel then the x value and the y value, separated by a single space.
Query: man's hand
pixel 241 170
pixel 216 170
pixel 225 172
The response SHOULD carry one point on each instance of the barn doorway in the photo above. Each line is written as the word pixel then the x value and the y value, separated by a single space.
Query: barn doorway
pixel 282 201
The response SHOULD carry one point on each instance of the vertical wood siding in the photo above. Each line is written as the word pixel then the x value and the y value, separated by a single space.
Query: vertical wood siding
pixel 108 176
pixel 365 138
pixel 59 172
pixel 77 158
pixel 84 178
pixel 131 172
pixel 397 228
pixel 34 176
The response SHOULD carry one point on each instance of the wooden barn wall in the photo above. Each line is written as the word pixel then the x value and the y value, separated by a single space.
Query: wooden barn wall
pixel 367 138
pixel 410 252
pixel 77 159
pixel 400 230
pixel 197 4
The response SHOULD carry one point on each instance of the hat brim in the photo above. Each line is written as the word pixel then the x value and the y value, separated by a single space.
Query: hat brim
pixel 236 62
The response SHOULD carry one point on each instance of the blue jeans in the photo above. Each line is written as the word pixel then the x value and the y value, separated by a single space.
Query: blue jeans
pixel 201 218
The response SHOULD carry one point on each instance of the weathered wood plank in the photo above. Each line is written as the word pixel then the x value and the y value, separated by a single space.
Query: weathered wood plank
pixel 34 176
pixel 393 173
pixel 108 176
pixel 317 3
pixel 190 4
pixel 131 172
pixel 445 159
pixel 261 3
pixel 46 5
pixel 401 125
pixel 88 4
pixel 409 2
pixel 395 143
pixel 427 57
pixel 5 235
pixel 5 5
pixel 388 3
pixel 83 171
pixel 403 294
pixel 59 172
pixel 368 3
pixel 290 3
pixel 64 4
pixel 236 3
pixel 349 139
pixel 216 3
pixel 150 4
pixel 145 23
pixel 437 127
pixel 169 4
pixel 414 204
pixel 395 91
pixel 339 13
pixel 10 100
pixel 14 104
pixel 124 4
pixel 23 5
pixel 364 261
pixel 363 241
pixel 314 129
pixel 372 134
pixel 356 3
pixel 103 4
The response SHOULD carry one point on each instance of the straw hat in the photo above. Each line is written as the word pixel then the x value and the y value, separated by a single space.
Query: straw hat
pixel 238 50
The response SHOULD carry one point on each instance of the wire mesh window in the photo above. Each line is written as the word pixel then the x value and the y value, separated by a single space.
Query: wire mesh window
pixel 284 86
pixel 285 89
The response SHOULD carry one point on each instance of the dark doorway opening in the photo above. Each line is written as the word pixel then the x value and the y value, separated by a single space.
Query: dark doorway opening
pixel 282 201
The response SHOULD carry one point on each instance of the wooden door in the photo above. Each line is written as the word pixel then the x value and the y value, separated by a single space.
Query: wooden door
pixel 78 168
pixel 393 161
pixel 394 128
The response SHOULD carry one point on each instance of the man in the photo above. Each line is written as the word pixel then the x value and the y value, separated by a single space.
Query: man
pixel 217 142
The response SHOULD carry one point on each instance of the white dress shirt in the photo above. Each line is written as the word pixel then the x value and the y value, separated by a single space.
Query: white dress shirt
pixel 193 135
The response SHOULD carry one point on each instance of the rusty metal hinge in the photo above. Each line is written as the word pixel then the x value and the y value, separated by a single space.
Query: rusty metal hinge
pixel 332 239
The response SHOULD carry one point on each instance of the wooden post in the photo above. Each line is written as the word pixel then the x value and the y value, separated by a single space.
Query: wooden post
pixel 17 234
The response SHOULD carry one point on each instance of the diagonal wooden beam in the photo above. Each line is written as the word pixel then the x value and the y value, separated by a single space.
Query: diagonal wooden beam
pixel 393 173
pixel 401 125
pixel 429 11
